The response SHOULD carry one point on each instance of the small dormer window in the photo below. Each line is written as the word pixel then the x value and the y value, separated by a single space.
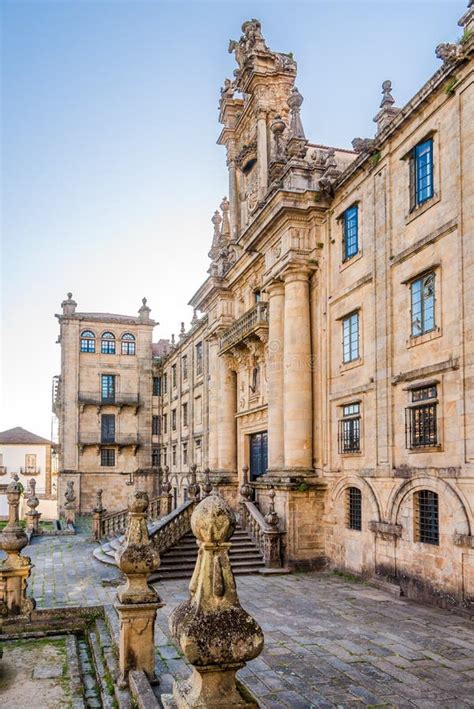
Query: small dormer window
pixel 128 344
pixel 87 341
pixel 108 343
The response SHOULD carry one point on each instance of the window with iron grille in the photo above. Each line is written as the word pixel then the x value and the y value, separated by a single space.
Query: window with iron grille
pixel 349 429
pixel 155 426
pixel 173 375
pixel 173 455
pixel 423 304
pixel 184 367
pixel 165 423
pixel 155 458
pixel 350 220
pixel 156 386
pixel 350 338
pixel 107 388
pixel 185 414
pixel 199 358
pixel 426 515
pixel 128 344
pixel 421 173
pixel 107 428
pixel 87 341
pixel 421 426
pixel 173 420
pixel 107 457
pixel 354 508
pixel 107 345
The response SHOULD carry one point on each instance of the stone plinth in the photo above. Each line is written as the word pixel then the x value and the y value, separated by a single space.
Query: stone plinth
pixel 213 630
pixel 137 601
pixel 15 569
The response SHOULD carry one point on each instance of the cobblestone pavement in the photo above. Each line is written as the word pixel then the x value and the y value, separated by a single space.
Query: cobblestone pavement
pixel 329 642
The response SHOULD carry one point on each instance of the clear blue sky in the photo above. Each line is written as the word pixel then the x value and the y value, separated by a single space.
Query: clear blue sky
pixel 110 168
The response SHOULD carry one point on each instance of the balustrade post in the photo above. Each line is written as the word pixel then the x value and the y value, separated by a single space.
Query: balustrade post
pixel 207 485
pixel 97 516
pixel 32 516
pixel 272 536
pixel 193 487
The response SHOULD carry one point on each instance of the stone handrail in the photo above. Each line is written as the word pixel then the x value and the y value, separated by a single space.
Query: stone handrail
pixel 116 522
pixel 257 316
pixel 169 530
pixel 265 535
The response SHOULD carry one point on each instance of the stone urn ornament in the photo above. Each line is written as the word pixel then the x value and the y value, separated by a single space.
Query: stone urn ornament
pixel 32 502
pixel 215 633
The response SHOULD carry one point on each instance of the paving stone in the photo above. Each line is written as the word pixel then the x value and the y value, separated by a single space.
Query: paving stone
pixel 47 672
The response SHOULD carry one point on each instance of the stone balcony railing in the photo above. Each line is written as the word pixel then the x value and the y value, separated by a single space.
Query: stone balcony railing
pixel 253 322
pixel 120 440
pixel 87 398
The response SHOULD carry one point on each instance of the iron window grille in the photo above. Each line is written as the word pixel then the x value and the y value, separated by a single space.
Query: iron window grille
pixel 354 508
pixel 173 455
pixel 107 345
pixel 351 232
pixel 349 429
pixel 173 420
pixel 107 457
pixel 185 414
pixel 87 341
pixel 184 367
pixel 165 423
pixel 155 426
pixel 426 517
pixel 107 386
pixel 156 386
pixel 199 359
pixel 423 304
pixel 350 338
pixel 128 344
pixel 421 424
pixel 421 173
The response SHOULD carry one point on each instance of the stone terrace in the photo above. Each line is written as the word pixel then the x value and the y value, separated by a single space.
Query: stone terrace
pixel 329 642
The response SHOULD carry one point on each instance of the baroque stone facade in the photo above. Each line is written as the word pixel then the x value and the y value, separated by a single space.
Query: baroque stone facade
pixel 336 353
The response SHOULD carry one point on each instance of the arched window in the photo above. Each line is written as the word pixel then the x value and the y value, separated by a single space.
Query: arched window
pixel 108 343
pixel 128 344
pixel 87 341
pixel 354 508
pixel 426 516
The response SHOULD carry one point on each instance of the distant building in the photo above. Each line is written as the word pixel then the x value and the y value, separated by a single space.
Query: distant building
pixel 29 456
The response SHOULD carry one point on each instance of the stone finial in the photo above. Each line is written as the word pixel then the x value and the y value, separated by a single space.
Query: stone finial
pixel 15 568
pixel 173 340
pixel 166 485
pixel 245 488
pixel 297 143
pixel 331 173
pixel 144 311
pixel 467 20
pixel 271 517
pixel 215 633
pixel 277 127
pixel 195 320
pixel 225 230
pixel 193 487
pixel 388 110
pixel 99 507
pixel 69 305
pixel 137 600
pixel 182 331
pixel 32 502
pixel 207 485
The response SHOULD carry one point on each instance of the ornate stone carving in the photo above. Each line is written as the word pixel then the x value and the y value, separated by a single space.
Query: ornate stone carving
pixel 227 91
pixel 363 145
pixel 15 568
pixel 70 505
pixel 207 485
pixel 297 143
pixel 385 530
pixel 331 173
pixel 246 489
pixel 193 487
pixel 32 501
pixel 215 633
pixel 388 110
pixel 448 52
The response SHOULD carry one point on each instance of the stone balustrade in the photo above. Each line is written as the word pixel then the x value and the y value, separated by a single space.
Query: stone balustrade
pixel 250 322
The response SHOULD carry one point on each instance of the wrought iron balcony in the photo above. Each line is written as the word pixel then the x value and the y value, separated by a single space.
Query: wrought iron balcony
pixel 253 322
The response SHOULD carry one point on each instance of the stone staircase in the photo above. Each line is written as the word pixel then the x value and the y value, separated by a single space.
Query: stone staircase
pixel 179 561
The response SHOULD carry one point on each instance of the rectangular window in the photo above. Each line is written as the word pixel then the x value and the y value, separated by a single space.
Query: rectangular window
pixel 423 305
pixel 155 426
pixel 354 508
pixel 173 375
pixel 426 517
pixel 155 458
pixel 128 347
pixel 107 345
pixel 199 359
pixel 185 414
pixel 185 453
pixel 198 409
pixel 107 428
pixel 165 423
pixel 165 383
pixel 351 232
pixel 184 367
pixel 349 429
pixel 173 420
pixel 421 173
pixel 107 457
pixel 173 455
pixel 30 463
pixel 198 449
pixel 107 387
pixel 156 386
pixel 421 429
pixel 165 456
pixel 350 337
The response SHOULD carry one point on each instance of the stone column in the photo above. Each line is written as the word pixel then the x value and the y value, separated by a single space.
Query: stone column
pixel 214 632
pixel 15 569
pixel 297 374
pixel 276 461
pixel 262 154
pixel 213 403
pixel 137 601
pixel 227 426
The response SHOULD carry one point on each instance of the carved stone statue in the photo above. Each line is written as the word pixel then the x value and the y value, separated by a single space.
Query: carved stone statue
pixel 448 52
pixel 70 505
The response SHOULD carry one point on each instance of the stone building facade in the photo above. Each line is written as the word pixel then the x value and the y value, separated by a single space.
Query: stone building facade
pixel 337 337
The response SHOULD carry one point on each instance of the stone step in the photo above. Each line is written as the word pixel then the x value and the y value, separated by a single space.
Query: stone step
pixel 173 561
pixel 164 573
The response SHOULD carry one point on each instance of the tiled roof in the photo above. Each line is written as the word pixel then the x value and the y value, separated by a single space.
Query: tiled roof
pixel 20 435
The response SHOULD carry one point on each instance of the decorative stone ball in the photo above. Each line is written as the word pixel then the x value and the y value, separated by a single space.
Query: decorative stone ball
pixel 138 502
pixel 213 520
pixel 278 125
